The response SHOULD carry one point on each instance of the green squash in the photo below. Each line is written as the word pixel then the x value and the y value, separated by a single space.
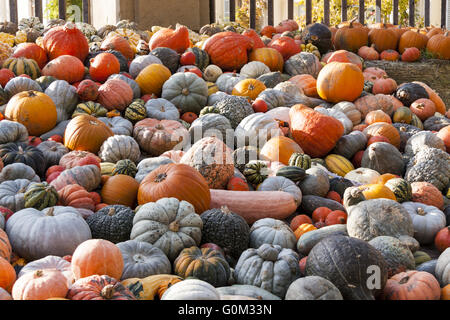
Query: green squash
pixel 201 57
pixel 90 108
pixel 136 111
pixel 401 188
pixel 421 257
pixel 40 196
pixel 126 167
pixel 3 97
pixel 300 160
pixel 293 173
pixel 256 172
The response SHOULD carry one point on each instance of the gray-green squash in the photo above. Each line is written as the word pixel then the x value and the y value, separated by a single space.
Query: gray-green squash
pixel 308 240
pixel 271 231
pixel 313 288
pixel 384 158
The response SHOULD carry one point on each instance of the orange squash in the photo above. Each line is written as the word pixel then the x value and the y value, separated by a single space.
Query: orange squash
pixel 65 67
pixel 248 88
pixel 439 46
pixel 412 39
pixel 280 149
pixel 270 57
pixel 412 285
pixel 120 189
pixel 302 229
pixel 306 83
pixel 339 81
pixel 315 133
pixel 346 56
pixel 426 193
pixel 177 39
pixel 286 46
pixel 257 42
pixel 376 191
pixel 118 43
pixel 299 220
pixel 445 293
pixel 377 116
pixel 103 65
pixel 65 40
pixel 385 130
pixel 438 102
pixel 8 275
pixel 152 78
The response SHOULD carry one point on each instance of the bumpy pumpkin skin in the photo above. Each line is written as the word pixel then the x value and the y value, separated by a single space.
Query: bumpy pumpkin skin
pixel 313 288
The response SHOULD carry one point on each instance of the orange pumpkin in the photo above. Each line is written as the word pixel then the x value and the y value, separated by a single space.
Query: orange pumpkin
pixel 5 246
pixel 7 275
pixel 412 285
pixel 177 39
pixel 320 214
pixel 237 184
pixel 423 108
pixel 118 43
pixel 442 239
pixel 438 102
pixel 377 116
pixel 306 83
pixel 257 42
pixel 411 54
pixel 86 133
pixel 390 55
pixel 368 53
pixel 103 65
pixel 439 46
pixel 299 220
pixel 286 46
pixel 31 51
pixel 65 67
pixel 444 134
pixel 228 50
pixel 302 229
pixel 351 37
pixel 383 38
pixel 445 293
pixel 120 189
pixel 384 85
pixel 115 94
pixel 280 148
pixel 346 56
pixel 35 110
pixel 315 132
pixel 412 39
pixel 270 57
pixel 339 81
pixel 385 130
pixel 40 285
pixel 336 217
pixel 176 180
pixel 249 88
pixel 426 193
pixel 65 40
pixel 152 78
pixel 377 191
pixel 268 31
pixel 97 257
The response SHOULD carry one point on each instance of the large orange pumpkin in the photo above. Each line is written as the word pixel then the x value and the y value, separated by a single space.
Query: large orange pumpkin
pixel 177 39
pixel 339 81
pixel 86 133
pixel 178 181
pixel 7 275
pixel 97 256
pixel 270 57
pixel 65 67
pixel 118 43
pixel 228 50
pixel 257 42
pixel 412 39
pixel 280 149
pixel 31 51
pixel 120 189
pixel 346 56
pixel 383 38
pixel 66 40
pixel 315 132
pixel 439 46
pixel 351 37
pixel 152 78
pixel 35 110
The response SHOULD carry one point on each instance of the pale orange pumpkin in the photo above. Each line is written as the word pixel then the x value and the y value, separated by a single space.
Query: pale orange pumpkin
pixel 423 108
pixel 115 94
pixel 97 256
pixel 35 110
pixel 412 285
pixel 120 189
pixel 118 43
pixel 280 149
pixel 152 78
pixel 426 193
pixel 377 116
pixel 270 57
pixel 346 56
pixel 86 133
pixel 248 88
pixel 65 67
pixel 306 83
pixel 385 130
pixel 384 85
pixel 40 285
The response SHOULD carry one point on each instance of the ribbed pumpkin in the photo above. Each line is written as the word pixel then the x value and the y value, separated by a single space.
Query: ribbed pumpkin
pixel 115 94
pixel 401 189
pixel 338 164
pixel 345 56
pixel 40 196
pixel 270 57
pixel 302 229
pixel 118 43
pixel 249 88
pixel 339 81
pixel 90 108
pixel 5 246
pixel 439 46
pixel 23 66
pixel 35 110
pixel 300 160
pixel 412 39
pixel 8 275
pixel 66 40
pixel 120 189
pixel 103 65
pixel 280 149
pixel 31 51
pixel 152 78
pixel 385 130
pixel 383 38
pixel 178 181
pixel 351 37
pixel 86 133
pixel 136 111
pixel 65 67
pixel 316 133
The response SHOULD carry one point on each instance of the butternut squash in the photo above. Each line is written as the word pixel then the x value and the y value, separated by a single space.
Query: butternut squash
pixel 255 205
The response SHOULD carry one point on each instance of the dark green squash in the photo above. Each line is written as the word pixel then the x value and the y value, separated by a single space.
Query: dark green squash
pixel 45 81
pixel 349 264
pixel 126 167
pixel 21 152
pixel 401 188
pixel 136 111
pixel 205 264
pixel 226 229
pixel 293 173
pixel 421 257
pixel 270 79
pixel 311 202
pixel 339 185
pixel 409 92
pixel 3 97
pixel 201 57
pixel 319 35
pixel 40 196
pixel 256 172
pixel 301 160
pixel 170 58
pixel 112 223
pixel 243 155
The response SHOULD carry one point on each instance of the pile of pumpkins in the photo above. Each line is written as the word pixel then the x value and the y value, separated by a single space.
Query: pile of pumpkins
pixel 217 166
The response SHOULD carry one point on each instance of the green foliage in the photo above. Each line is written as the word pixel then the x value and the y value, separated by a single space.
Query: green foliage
pixel 52 8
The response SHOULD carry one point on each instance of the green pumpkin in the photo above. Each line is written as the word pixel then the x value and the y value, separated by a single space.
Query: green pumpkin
pixel 91 108
pixel 293 173
pixel 401 188
pixel 23 66
pixel 421 257
pixel 136 111
pixel 201 57
pixel 126 167
pixel 45 81
pixel 300 160
pixel 40 196
pixel 416 121
pixel 256 172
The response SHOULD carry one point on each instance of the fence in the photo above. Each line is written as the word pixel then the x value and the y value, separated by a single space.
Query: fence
pixel 270 11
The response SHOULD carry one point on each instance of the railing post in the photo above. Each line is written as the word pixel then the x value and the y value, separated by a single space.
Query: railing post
pixel 252 10
pixel 13 16
pixel 326 12
pixel 290 9
pixel 270 19
pixel 361 12
pixel 378 11
pixel 86 11
pixel 232 10
pixel 427 13
pixel 343 10
pixel 412 11
pixel 38 9
pixel 308 8
pixel 395 12
pixel 443 13
pixel 62 9
pixel 212 11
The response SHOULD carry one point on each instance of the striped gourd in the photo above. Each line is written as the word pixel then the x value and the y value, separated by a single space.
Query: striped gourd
pixel 338 164
pixel 209 109
pixel 201 57
pixel 23 66
pixel 416 121
pixel 303 228
pixel 300 160
pixel 256 172
pixel 126 167
pixel 106 168
pixel 293 173
pixel 401 188
pixel 40 196
pixel 136 111
pixel 91 108
pixel 212 88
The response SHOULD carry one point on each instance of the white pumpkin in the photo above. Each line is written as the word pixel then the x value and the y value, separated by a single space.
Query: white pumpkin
pixel 212 72
pixel 339 115
pixel 362 176
pixel 191 289
pixel 254 69
pixel 256 129
pixel 119 147
pixel 118 125
pixel 350 110
pixel 140 62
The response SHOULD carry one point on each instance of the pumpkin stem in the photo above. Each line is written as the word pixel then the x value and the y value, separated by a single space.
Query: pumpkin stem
pixel 31 94
pixel 185 91
pixel 174 226
pixel 404 280
pixel 107 291
pixel 161 177
pixel 50 212
pixel 111 211
pixel 420 211
pixel 39 273
pixel 225 209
